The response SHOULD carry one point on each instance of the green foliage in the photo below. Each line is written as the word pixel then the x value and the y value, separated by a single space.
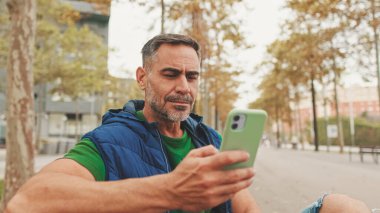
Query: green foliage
pixel 274 98
pixel 366 132
pixel 116 90
pixel 4 32
pixel 79 65
pixel 73 58
pixel 354 20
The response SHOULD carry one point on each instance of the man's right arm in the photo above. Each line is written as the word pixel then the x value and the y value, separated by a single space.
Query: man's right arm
pixel 199 182
pixel 66 186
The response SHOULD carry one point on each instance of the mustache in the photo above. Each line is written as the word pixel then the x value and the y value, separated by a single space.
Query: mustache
pixel 180 98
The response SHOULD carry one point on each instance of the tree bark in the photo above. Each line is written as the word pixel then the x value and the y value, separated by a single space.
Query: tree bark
pixel 338 117
pixel 76 120
pixel 162 16
pixel 277 117
pixel 20 103
pixel 198 32
pixel 40 97
pixel 315 122
pixel 374 28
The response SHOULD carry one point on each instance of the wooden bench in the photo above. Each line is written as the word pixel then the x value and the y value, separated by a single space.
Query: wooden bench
pixel 374 150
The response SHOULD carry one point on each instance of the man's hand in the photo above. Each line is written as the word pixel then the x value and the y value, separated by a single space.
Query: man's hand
pixel 199 181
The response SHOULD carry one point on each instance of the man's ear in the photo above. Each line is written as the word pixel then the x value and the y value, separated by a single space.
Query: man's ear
pixel 141 76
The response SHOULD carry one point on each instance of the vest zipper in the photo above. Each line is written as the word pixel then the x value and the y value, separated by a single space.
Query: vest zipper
pixel 163 152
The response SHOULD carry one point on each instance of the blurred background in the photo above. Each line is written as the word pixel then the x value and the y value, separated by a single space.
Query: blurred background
pixel 312 65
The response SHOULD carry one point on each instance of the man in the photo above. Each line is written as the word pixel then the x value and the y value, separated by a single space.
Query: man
pixel 158 157
pixel 153 156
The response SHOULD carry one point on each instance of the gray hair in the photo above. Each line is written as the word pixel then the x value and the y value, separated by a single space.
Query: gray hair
pixel 150 48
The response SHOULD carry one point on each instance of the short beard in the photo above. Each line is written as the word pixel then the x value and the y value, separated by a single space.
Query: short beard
pixel 180 115
pixel 165 115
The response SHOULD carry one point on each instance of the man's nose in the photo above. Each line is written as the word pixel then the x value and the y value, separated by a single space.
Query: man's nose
pixel 182 85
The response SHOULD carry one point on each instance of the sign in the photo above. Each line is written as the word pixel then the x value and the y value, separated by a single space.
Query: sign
pixel 332 131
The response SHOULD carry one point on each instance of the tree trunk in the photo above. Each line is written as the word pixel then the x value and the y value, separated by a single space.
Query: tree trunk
pixel 162 16
pixel 338 118
pixel 277 126
pixel 20 104
pixel 76 120
pixel 40 107
pixel 315 123
pixel 198 33
pixel 216 117
pixel 300 133
pixel 326 122
pixel 374 28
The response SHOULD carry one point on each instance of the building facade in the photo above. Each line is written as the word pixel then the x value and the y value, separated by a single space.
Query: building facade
pixel 353 101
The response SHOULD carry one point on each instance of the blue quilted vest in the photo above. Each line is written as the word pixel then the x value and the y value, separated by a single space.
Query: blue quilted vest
pixel 131 148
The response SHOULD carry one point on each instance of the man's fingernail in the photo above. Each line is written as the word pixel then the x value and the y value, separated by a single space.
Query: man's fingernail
pixel 247 154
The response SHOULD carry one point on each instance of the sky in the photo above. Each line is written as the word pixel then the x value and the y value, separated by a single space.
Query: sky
pixel 131 26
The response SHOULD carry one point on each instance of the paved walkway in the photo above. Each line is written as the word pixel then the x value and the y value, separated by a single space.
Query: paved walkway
pixel 288 180
pixel 40 161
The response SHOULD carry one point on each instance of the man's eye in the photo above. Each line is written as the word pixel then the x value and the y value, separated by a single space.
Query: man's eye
pixel 170 75
pixel 192 76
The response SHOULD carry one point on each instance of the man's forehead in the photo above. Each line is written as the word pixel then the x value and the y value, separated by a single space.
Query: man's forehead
pixel 174 48
pixel 179 56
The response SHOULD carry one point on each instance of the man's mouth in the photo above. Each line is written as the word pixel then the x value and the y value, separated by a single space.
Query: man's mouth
pixel 180 100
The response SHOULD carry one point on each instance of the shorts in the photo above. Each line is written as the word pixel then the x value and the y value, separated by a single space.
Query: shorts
pixel 316 206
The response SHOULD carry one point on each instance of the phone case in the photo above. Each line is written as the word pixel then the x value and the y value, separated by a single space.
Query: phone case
pixel 244 133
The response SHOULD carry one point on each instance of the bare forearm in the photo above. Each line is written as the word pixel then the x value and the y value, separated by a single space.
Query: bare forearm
pixel 54 192
pixel 199 182
pixel 243 202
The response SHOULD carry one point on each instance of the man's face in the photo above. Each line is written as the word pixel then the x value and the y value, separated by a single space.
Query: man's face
pixel 172 82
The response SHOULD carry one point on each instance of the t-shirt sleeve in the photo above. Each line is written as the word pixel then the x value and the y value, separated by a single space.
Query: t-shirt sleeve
pixel 220 136
pixel 86 154
pixel 219 146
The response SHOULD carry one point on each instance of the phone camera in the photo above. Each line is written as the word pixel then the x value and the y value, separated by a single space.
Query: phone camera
pixel 236 117
pixel 234 126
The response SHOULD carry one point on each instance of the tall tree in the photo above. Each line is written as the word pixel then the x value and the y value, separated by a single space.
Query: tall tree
pixel 336 19
pixel 274 99
pixel 20 104
pixel 318 19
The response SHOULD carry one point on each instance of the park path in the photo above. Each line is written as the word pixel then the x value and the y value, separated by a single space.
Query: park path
pixel 288 180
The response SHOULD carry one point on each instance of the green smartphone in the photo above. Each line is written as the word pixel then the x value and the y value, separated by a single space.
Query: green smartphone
pixel 243 131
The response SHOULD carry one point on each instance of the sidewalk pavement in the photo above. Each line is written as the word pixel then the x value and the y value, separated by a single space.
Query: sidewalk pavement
pixel 40 161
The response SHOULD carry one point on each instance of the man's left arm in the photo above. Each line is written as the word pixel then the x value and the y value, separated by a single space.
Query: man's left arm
pixel 243 202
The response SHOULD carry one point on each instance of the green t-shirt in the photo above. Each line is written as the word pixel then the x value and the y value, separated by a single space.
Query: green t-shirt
pixel 177 148
pixel 86 154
